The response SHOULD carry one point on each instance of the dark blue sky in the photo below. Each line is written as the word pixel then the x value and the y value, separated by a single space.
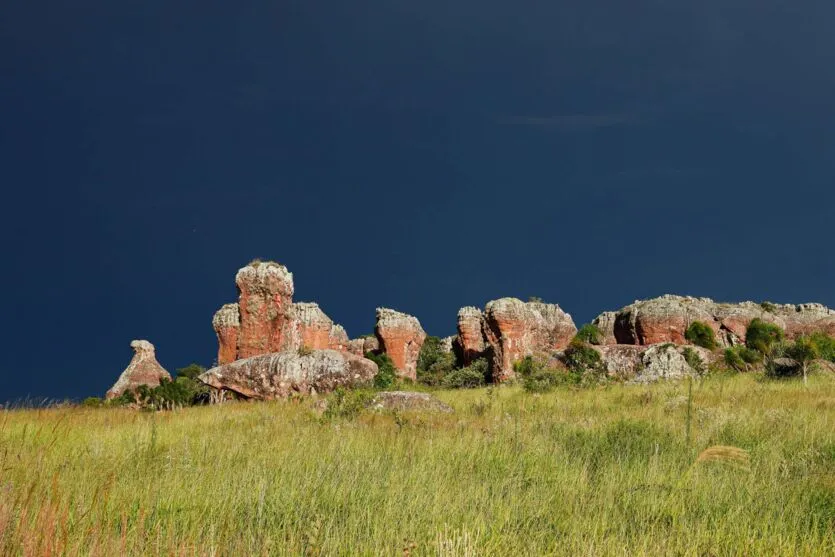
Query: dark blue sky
pixel 419 155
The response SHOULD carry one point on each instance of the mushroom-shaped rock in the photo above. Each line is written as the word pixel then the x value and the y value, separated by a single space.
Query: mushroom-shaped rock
pixel 401 337
pixel 143 369
pixel 516 329
pixel 271 376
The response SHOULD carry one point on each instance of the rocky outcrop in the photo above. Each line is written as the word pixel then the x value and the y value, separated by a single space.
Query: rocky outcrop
pixel 403 401
pixel 401 337
pixel 447 343
pixel 227 325
pixel 266 310
pixel 470 343
pixel 605 322
pixel 143 369
pixel 647 364
pixel 265 319
pixel 515 329
pixel 278 375
pixel 666 319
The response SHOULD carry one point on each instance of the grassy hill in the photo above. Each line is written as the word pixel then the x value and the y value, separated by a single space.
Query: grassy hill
pixel 620 470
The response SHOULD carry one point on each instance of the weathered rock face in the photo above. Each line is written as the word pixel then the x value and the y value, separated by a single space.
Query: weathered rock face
pixel 515 329
pixel 265 319
pixel 266 313
pixel 666 319
pixel 401 337
pixel 647 364
pixel 470 344
pixel 144 369
pixel 271 376
pixel 403 401
pixel 447 343
pixel 605 322
pixel 227 326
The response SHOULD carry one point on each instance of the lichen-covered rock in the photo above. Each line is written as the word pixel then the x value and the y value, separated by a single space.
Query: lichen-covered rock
pixel 143 369
pixel 316 330
pixel 446 344
pixel 515 329
pixel 401 337
pixel 371 344
pixel 338 338
pixel 266 310
pixel 278 375
pixel 471 343
pixel 666 319
pixel 403 401
pixel 646 364
pixel 227 325
pixel 605 322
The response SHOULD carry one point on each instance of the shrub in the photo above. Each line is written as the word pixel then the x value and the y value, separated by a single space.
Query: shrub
pixel 537 377
pixel 701 334
pixel 763 337
pixel 803 351
pixel 734 361
pixel 430 353
pixel 92 402
pixel 474 375
pixel 191 371
pixel 582 358
pixel 442 366
pixel 824 344
pixel 694 360
pixel 590 334
pixel 386 372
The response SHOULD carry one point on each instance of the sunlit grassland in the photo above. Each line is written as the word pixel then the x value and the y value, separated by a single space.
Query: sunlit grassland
pixel 608 471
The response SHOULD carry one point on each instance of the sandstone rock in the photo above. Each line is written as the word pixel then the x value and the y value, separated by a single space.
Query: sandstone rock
pixel 666 319
pixel 315 329
pixel 605 322
pixel 515 329
pixel 371 344
pixel 338 338
pixel 277 375
pixel 266 310
pixel 403 401
pixel 622 360
pixel 447 343
pixel 227 325
pixel 647 364
pixel 144 369
pixel 663 361
pixel 470 344
pixel 401 337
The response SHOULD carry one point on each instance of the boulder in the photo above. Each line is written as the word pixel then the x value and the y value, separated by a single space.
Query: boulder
pixel 271 376
pixel 515 329
pixel 470 343
pixel 338 338
pixel 647 364
pixel 605 322
pixel 401 337
pixel 143 369
pixel 316 330
pixel 403 401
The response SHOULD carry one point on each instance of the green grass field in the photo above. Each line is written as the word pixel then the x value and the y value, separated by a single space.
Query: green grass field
pixel 609 471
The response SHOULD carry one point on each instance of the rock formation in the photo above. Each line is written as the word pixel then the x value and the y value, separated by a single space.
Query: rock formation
pixel 278 375
pixel 647 364
pixel 515 329
pixel 265 319
pixel 470 344
pixel 401 337
pixel 605 322
pixel 143 369
pixel 666 319
pixel 227 326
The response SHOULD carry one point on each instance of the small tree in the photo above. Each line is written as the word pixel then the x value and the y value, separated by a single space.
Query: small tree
pixel 763 337
pixel 386 372
pixel 701 334
pixel 803 351
pixel 590 333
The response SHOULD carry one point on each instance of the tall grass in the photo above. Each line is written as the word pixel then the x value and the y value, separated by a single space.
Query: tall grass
pixel 574 472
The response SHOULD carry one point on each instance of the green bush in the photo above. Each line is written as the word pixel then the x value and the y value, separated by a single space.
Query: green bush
pixel 191 371
pixel 763 337
pixel 92 402
pixel 580 357
pixel 590 334
pixel 537 377
pixel 734 361
pixel 825 345
pixel 440 368
pixel 701 334
pixel 474 375
pixel 742 358
pixel 386 376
